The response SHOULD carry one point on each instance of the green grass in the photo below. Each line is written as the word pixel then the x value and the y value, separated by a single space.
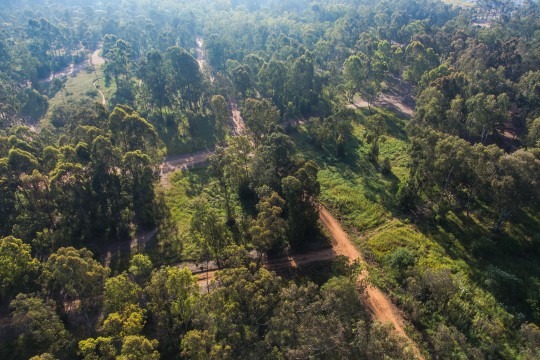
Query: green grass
pixel 185 186
pixel 177 138
pixel 80 87
pixel 354 185
pixel 364 200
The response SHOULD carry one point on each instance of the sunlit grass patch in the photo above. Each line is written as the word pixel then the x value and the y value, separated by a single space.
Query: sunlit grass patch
pixel 78 87
pixel 185 186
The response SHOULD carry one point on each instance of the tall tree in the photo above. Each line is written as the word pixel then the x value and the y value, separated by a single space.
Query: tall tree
pixel 261 117
pixel 17 267
pixel 172 294
pixel 184 77
pixel 71 274
pixel 40 326
pixel 222 118
pixel 269 229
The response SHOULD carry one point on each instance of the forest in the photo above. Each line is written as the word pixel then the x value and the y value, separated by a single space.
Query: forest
pixel 269 179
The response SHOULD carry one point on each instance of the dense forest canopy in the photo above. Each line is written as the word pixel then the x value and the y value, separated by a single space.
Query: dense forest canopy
pixel 257 179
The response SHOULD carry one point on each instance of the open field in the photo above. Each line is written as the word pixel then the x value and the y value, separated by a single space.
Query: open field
pixel 80 87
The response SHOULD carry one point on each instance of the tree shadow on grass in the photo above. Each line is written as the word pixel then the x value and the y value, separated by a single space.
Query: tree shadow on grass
pixel 503 264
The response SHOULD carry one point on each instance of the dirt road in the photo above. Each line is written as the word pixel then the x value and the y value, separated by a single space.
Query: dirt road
pixel 71 69
pixel 103 99
pixel 201 58
pixel 378 304
pixel 374 299
pixel 281 263
pixel 239 126
pixel 96 60
pixel 182 162
pixel 384 100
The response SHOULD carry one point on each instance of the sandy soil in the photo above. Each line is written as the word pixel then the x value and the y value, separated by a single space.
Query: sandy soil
pixel 182 162
pixel 397 103
pixel 239 127
pixel 378 304
pixel 103 99
pixel 374 299
pixel 201 58
pixel 384 100
pixel 94 60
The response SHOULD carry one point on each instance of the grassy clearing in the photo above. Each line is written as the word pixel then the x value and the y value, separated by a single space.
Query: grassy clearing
pixel 176 135
pixel 185 186
pixel 355 186
pixel 80 88
pixel 498 276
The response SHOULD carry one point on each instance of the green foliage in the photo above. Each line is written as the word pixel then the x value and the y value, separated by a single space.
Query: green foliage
pixel 210 230
pixel 40 326
pixel 71 274
pixel 448 219
pixel 183 76
pixel 336 130
pixel 261 117
pixel 140 267
pixel 17 267
pixel 236 311
pixel 172 294
pixel 119 292
pixel 200 345
pixel 97 349
pixel 138 348
pixel 128 322
pixel 222 117
pixel 45 356
pixel 269 229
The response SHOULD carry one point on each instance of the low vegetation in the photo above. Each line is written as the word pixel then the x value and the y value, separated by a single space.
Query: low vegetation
pixel 152 206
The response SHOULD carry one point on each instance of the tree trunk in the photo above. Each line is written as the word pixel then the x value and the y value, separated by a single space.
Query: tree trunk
pixel 504 215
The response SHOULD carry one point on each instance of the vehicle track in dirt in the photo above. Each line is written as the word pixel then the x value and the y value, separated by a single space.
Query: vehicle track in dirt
pixel 375 301
pixel 378 304
pixel 391 101
pixel 380 307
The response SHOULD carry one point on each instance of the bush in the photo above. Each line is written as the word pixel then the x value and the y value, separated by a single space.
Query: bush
pixel 483 247
pixel 92 93
pixel 399 261
pixel 503 283
pixel 386 166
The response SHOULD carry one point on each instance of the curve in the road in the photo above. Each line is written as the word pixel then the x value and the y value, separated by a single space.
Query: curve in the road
pixel 374 299
pixel 381 308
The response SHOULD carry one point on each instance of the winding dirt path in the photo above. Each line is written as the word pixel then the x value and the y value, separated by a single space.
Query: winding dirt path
pixel 201 58
pixel 377 303
pixel 103 99
pixel 374 299
pixel 381 308
pixel 96 60
pixel 239 126
pixel 71 69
